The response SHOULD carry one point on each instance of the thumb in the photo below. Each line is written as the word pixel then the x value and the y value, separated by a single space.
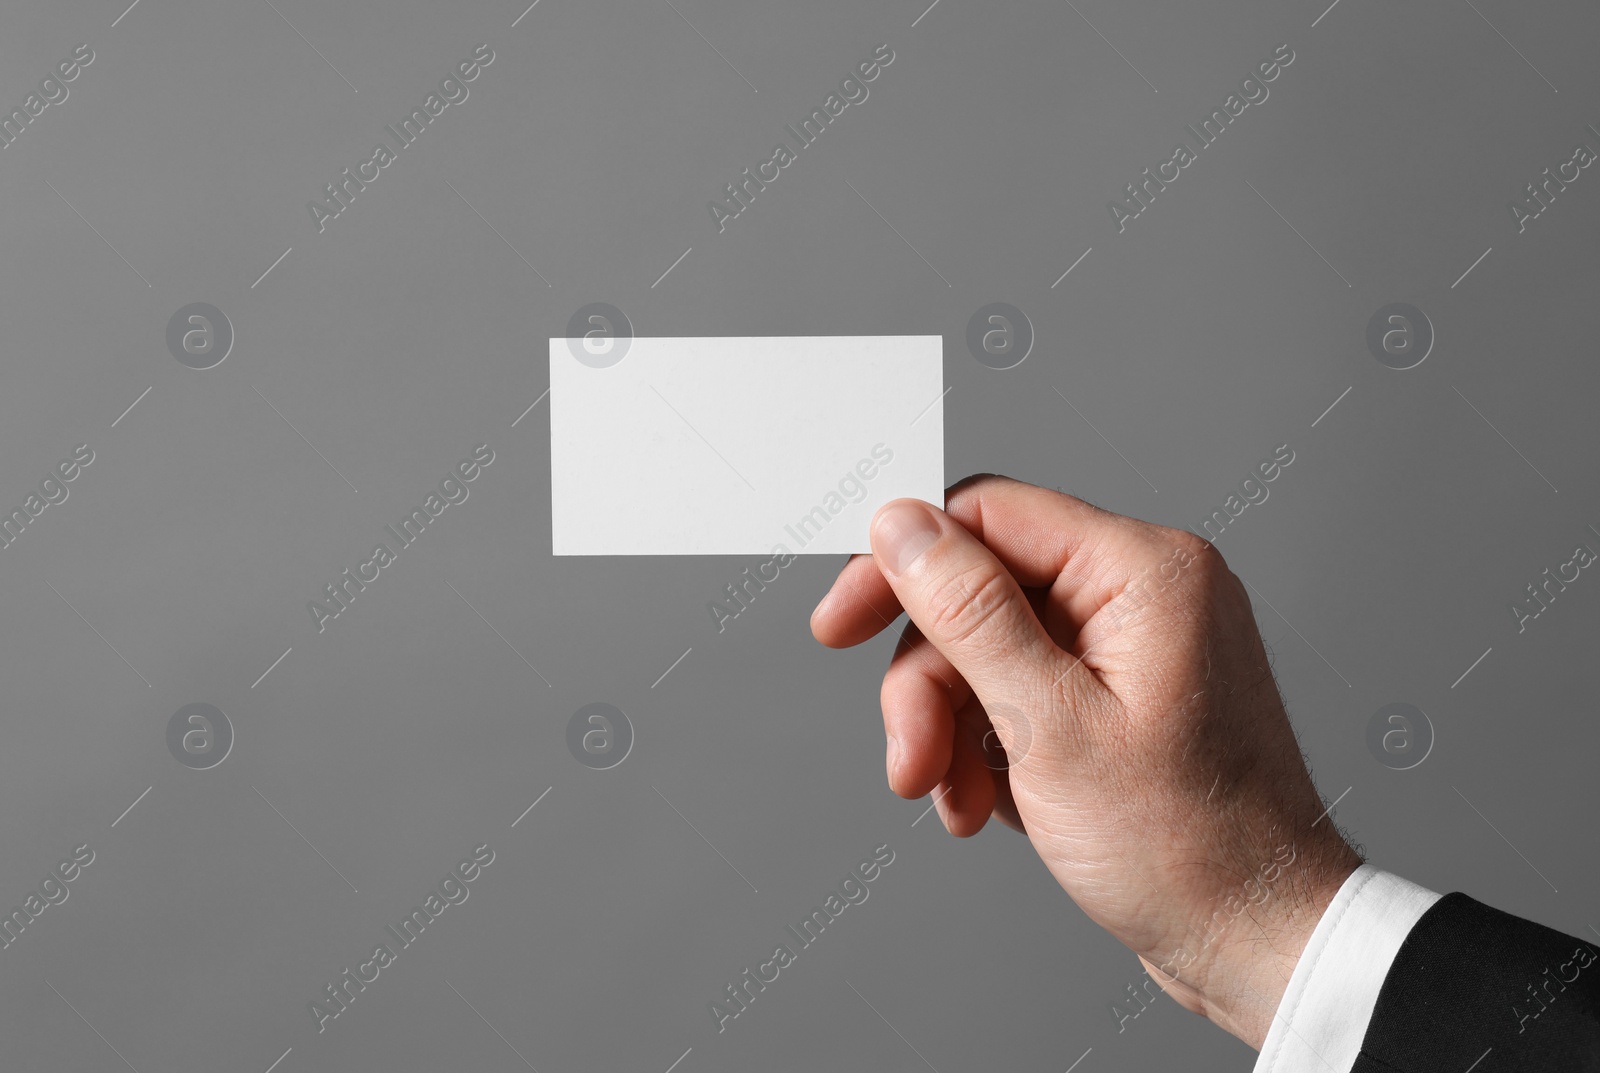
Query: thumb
pixel 966 604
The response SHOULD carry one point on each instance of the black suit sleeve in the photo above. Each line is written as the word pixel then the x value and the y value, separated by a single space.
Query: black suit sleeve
pixel 1475 988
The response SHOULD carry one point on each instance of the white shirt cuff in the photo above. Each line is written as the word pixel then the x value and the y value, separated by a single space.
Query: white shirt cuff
pixel 1323 1016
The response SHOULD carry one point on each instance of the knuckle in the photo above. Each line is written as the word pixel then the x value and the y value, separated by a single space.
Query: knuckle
pixel 1221 587
pixel 1198 561
pixel 1186 548
pixel 1208 573
pixel 967 604
pixel 1185 592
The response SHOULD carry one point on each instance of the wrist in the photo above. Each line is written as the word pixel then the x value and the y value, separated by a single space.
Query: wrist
pixel 1234 965
pixel 1241 986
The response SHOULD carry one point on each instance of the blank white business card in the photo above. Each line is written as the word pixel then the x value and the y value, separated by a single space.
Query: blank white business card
pixel 740 445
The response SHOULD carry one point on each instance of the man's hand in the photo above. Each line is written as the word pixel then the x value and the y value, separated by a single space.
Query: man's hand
pixel 1147 754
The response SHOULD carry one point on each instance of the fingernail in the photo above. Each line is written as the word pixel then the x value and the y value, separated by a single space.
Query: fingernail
pixel 902 532
pixel 894 757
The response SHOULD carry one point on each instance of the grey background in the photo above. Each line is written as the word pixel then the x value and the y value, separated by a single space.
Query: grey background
pixel 408 732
